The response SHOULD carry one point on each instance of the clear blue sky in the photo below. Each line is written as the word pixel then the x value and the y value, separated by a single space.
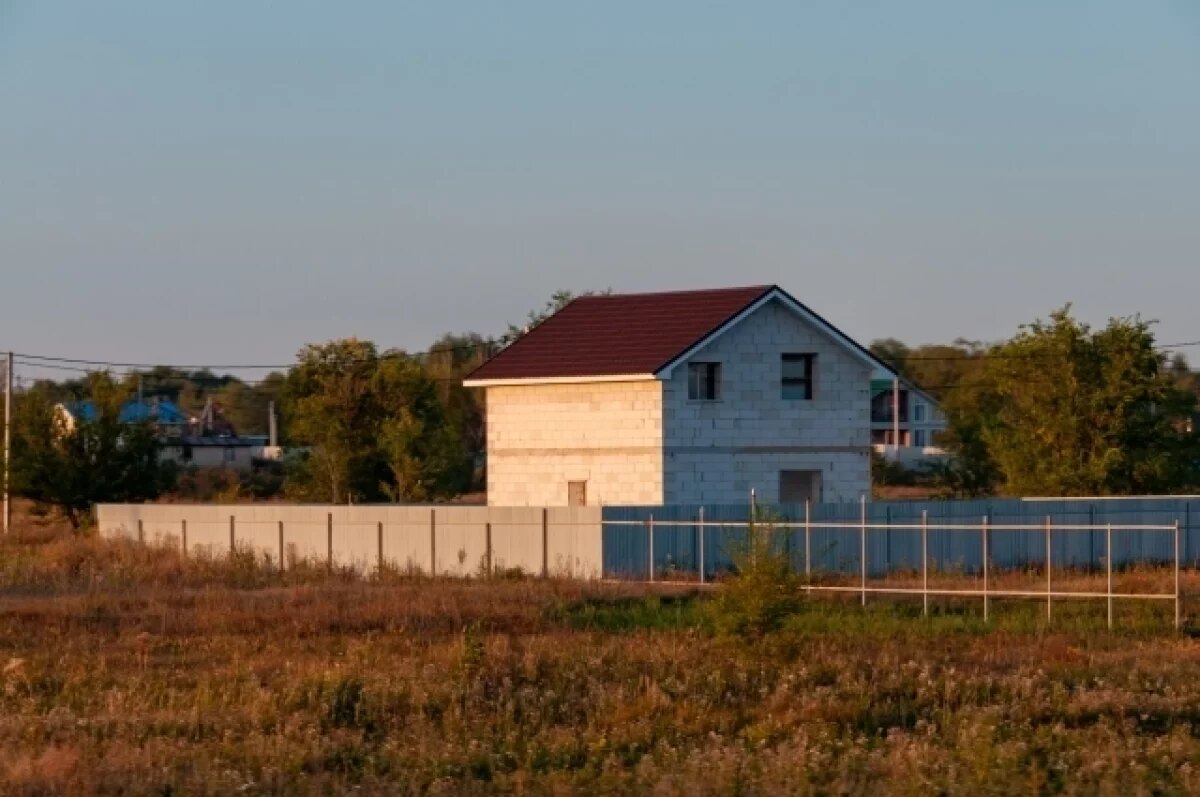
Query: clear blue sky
pixel 226 181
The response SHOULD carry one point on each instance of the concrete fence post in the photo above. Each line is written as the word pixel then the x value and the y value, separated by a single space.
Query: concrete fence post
pixel 545 542
pixel 488 540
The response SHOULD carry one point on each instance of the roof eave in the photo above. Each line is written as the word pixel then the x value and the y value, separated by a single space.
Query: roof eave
pixel 557 380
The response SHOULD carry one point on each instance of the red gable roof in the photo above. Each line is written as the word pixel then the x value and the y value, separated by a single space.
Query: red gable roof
pixel 635 333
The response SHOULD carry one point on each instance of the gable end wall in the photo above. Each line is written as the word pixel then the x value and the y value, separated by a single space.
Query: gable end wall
pixel 716 452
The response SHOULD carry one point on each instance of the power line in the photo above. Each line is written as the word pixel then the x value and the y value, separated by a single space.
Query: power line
pixel 213 381
pixel 485 346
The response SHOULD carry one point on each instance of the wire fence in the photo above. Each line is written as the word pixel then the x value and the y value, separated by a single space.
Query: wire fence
pixel 717 541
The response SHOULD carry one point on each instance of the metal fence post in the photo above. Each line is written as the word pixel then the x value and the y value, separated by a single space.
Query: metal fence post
pixel 1108 552
pixel 862 544
pixel 379 531
pixel 808 542
pixel 984 528
pixel 1048 563
pixel 432 542
pixel 232 540
pixel 281 548
pixel 701 545
pixel 141 531
pixel 1177 616
pixel 650 545
pixel 183 528
pixel 925 562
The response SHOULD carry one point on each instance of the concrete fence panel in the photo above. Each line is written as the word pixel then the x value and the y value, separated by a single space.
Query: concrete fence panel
pixel 574 536
pixel 408 537
pixel 259 537
pixel 449 540
pixel 356 544
pixel 461 547
pixel 517 539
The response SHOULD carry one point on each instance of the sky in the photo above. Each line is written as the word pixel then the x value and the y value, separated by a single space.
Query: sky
pixel 224 182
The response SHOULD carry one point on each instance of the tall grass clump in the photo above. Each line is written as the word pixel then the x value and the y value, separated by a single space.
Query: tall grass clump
pixel 763 590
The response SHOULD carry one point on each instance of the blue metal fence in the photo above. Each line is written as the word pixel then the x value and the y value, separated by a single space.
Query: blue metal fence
pixel 677 545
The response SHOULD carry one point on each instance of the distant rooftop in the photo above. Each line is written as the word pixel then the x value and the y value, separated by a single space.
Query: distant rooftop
pixel 158 410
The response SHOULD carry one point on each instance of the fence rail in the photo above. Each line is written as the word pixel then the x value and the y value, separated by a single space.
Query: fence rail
pixel 982 531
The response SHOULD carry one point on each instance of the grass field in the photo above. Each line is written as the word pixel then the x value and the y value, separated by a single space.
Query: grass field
pixel 127 670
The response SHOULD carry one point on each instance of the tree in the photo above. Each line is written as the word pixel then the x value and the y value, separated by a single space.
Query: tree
pixel 330 408
pixel 419 441
pixel 375 427
pixel 1064 410
pixel 73 466
pixel 893 352
pixel 449 361
pixel 558 300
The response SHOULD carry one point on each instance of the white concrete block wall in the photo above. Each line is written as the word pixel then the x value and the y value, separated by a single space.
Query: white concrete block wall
pixel 608 434
pixel 727 478
pixel 716 451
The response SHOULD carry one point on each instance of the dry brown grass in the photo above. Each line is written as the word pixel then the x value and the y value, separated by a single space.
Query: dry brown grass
pixel 129 670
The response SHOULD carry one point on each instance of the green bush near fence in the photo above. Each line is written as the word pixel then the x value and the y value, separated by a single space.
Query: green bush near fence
pixel 763 590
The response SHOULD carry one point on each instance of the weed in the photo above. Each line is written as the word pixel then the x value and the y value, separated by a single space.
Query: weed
pixel 127 669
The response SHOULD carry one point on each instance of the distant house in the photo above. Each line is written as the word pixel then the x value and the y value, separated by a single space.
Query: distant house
pixel 685 397
pixel 183 438
pixel 906 423
pixel 168 419
pixel 232 453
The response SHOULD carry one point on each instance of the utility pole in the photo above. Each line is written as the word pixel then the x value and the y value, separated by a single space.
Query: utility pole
pixel 896 414
pixel 8 397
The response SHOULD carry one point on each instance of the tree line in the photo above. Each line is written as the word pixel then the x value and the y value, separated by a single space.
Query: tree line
pixel 1058 409
pixel 1061 409
pixel 366 426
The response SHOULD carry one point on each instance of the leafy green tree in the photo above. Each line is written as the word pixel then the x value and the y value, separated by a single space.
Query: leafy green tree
pixel 331 410
pixel 71 466
pixel 1065 410
pixel 449 361
pixel 374 425
pixel 893 352
pixel 419 439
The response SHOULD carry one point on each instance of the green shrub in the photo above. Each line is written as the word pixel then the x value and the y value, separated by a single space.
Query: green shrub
pixel 763 591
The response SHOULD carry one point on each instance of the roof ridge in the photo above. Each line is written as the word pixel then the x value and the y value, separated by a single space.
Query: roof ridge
pixel 764 287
